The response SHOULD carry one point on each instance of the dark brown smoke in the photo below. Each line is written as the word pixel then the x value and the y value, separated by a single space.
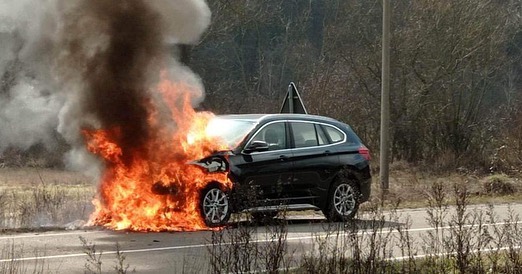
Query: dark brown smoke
pixel 115 72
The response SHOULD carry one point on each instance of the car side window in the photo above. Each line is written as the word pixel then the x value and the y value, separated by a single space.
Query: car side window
pixel 334 134
pixel 304 134
pixel 274 135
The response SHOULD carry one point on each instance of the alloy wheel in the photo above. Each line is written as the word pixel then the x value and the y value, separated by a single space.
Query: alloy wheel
pixel 344 200
pixel 215 206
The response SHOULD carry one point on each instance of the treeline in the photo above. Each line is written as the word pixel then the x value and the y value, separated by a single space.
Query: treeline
pixel 456 71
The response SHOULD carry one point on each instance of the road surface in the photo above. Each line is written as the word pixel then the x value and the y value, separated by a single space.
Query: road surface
pixel 188 252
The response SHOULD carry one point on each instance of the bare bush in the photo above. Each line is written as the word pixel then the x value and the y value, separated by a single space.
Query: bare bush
pixel 462 240
pixel 10 265
pixel 498 185
pixel 236 250
pixel 43 205
pixel 94 263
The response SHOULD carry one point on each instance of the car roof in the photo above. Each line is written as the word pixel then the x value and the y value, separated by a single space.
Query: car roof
pixel 278 116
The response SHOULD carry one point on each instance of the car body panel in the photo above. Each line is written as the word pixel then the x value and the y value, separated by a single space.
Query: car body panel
pixel 294 171
pixel 266 172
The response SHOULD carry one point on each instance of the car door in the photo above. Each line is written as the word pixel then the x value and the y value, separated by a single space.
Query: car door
pixel 314 160
pixel 267 172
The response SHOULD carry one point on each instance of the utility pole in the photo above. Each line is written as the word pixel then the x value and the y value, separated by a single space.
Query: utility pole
pixel 385 98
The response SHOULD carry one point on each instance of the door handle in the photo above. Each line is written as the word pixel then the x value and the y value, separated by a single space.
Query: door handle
pixel 326 152
pixel 283 157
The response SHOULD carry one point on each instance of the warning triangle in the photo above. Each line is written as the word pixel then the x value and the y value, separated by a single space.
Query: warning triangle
pixel 293 102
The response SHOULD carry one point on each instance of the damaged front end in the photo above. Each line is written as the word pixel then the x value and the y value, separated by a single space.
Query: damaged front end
pixel 211 164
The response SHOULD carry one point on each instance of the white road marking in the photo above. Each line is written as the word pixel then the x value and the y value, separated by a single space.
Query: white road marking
pixel 485 250
pixel 50 234
pixel 298 238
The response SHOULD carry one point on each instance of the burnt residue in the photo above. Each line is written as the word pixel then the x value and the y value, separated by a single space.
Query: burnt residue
pixel 161 188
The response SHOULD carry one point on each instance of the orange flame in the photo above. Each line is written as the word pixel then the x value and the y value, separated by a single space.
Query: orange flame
pixel 126 199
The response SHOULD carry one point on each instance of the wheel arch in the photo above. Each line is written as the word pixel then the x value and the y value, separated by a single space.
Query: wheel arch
pixel 345 172
pixel 211 184
pixel 348 172
pixel 346 175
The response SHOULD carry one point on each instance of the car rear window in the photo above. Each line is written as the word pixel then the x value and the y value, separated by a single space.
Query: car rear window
pixel 334 134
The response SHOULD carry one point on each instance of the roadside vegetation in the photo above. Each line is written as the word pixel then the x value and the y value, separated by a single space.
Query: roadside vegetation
pixel 33 198
pixel 463 239
pixel 94 263
pixel 410 185
pixel 9 264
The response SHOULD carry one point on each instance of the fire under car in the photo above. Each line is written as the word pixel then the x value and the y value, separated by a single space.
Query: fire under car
pixel 285 162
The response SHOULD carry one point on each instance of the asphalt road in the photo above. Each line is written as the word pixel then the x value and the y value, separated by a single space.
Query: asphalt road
pixel 188 252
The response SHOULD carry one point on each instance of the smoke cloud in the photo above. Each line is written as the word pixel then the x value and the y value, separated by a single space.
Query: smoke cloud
pixel 72 64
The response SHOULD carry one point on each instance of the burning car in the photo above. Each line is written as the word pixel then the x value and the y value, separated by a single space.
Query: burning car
pixel 284 162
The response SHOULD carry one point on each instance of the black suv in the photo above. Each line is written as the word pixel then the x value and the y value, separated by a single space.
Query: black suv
pixel 286 162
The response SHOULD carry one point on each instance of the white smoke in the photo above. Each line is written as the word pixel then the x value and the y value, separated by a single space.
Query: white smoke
pixel 184 20
pixel 37 100
pixel 28 110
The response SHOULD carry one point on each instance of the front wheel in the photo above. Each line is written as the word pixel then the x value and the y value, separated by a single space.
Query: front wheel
pixel 215 206
pixel 343 201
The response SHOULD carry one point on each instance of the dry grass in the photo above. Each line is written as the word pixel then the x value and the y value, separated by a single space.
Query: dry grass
pixel 36 198
pixel 500 185
pixel 18 177
pixel 411 187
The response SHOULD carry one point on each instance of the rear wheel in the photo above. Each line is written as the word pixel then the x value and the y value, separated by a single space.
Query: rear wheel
pixel 343 201
pixel 215 206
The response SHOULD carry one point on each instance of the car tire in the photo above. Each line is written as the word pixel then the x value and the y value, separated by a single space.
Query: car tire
pixel 215 206
pixel 343 201
pixel 263 217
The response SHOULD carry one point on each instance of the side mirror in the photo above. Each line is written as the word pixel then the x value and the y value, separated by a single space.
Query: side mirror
pixel 256 146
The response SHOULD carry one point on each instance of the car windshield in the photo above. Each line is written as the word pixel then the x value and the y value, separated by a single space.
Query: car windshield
pixel 231 131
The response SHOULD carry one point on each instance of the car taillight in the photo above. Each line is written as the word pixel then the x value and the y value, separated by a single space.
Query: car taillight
pixel 365 152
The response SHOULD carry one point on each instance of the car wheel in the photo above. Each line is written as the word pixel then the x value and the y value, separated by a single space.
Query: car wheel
pixel 263 217
pixel 215 206
pixel 343 201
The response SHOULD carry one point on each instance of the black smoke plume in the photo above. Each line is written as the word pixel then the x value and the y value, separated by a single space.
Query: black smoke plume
pixel 116 77
pixel 74 64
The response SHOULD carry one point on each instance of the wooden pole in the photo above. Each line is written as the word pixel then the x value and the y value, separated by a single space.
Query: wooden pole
pixel 385 98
